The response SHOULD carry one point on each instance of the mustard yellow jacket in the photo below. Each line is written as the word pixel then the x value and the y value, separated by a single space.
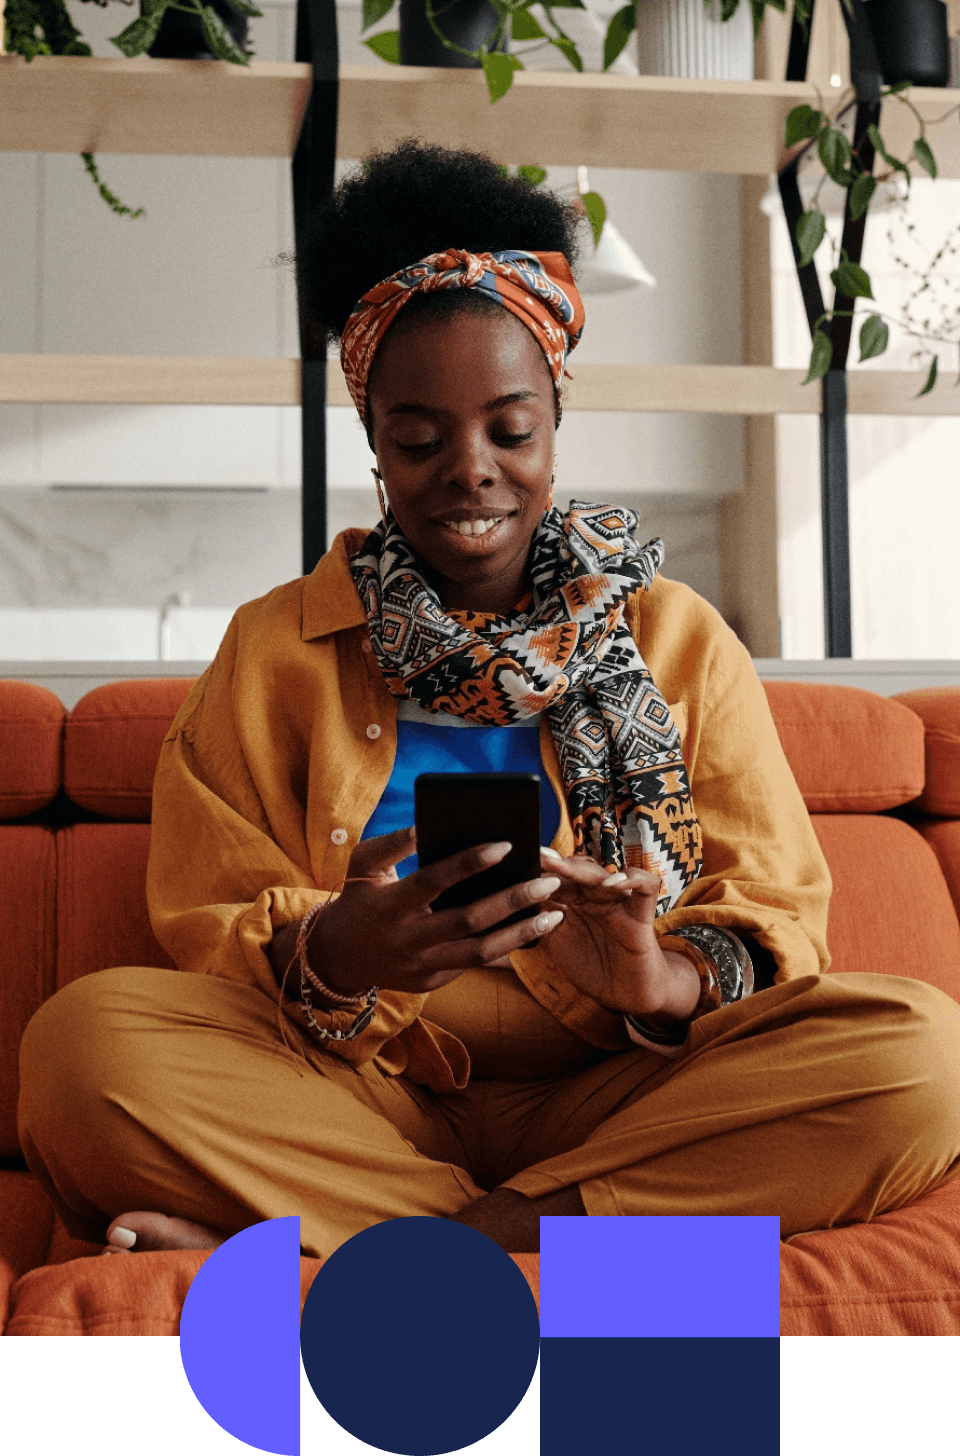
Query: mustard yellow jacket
pixel 284 746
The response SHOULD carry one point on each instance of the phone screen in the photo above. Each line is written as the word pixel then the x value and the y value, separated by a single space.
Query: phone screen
pixel 456 811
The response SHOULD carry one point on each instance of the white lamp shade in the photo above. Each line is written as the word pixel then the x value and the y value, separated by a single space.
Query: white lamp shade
pixel 612 266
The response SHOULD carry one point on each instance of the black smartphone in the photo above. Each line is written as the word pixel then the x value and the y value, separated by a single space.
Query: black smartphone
pixel 458 810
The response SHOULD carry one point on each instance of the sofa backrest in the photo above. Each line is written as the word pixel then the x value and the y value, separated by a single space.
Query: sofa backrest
pixel 75 804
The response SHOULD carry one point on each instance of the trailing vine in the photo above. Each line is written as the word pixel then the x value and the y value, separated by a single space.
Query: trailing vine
pixel 44 28
pixel 841 161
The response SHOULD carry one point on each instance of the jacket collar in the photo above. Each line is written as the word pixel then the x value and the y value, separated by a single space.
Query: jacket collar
pixel 330 599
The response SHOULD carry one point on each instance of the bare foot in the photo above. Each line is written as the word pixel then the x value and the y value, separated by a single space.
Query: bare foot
pixel 148 1232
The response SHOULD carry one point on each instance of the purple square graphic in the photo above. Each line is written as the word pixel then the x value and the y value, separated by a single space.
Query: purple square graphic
pixel 660 1276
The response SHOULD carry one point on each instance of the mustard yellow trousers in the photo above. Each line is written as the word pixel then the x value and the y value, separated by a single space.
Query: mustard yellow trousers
pixel 825 1101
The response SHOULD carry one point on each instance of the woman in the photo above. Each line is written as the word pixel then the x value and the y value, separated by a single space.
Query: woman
pixel 657 1035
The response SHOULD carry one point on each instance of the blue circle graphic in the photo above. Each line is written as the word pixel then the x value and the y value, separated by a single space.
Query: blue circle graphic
pixel 419 1336
pixel 238 1336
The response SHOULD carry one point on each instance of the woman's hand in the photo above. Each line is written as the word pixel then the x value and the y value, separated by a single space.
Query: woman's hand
pixel 606 945
pixel 381 931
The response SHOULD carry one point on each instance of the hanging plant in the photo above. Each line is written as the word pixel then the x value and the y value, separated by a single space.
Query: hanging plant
pixel 44 28
pixel 841 161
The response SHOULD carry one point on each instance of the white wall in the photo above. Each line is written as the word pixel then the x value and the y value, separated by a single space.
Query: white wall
pixel 904 479
pixel 197 276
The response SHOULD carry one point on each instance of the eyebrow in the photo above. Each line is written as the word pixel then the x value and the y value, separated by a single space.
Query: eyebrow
pixel 495 404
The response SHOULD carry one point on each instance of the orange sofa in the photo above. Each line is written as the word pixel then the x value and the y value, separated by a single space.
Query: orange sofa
pixel 880 777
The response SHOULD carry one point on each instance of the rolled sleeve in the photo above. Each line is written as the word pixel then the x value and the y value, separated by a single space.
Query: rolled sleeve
pixel 226 872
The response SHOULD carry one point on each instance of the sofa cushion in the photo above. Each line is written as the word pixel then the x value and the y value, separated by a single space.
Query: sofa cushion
pixel 112 742
pixel 31 748
pixel 898 1275
pixel 890 911
pixel 102 918
pixel 851 751
pixel 943 835
pixel 136 1294
pixel 939 709
pixel 28 869
pixel 26 1220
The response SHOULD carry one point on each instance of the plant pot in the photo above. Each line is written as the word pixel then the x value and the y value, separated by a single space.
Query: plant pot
pixel 468 23
pixel 181 36
pixel 688 38
pixel 911 39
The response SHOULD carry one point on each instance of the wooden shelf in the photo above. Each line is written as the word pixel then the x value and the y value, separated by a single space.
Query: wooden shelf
pixel 556 118
pixel 668 388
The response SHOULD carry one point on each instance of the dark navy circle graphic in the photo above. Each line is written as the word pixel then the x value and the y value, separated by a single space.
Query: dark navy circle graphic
pixel 419 1336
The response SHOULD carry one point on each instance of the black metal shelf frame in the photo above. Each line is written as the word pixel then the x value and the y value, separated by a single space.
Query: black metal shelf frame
pixel 834 468
pixel 314 161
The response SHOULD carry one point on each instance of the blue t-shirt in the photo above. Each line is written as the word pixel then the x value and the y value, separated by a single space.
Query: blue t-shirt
pixel 440 743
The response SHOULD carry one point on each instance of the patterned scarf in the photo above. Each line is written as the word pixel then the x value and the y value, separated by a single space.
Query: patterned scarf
pixel 570 655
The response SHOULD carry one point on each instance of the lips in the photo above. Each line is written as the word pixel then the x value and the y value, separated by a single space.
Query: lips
pixel 469 525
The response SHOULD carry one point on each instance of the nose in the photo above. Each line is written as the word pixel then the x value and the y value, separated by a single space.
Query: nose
pixel 471 464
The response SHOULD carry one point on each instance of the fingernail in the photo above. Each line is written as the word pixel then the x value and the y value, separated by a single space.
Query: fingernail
pixel 546 922
pixel 540 889
pixel 492 853
pixel 616 879
pixel 552 853
pixel 124 1238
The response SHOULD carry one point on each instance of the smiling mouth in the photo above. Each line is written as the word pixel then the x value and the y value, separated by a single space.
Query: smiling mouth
pixel 479 527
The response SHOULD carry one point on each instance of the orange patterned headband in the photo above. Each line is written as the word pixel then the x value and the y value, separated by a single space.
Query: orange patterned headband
pixel 537 288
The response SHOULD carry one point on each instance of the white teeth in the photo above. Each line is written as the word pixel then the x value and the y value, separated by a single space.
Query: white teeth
pixel 474 528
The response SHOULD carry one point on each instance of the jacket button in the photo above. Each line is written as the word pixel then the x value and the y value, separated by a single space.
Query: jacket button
pixel 374 730
pixel 339 836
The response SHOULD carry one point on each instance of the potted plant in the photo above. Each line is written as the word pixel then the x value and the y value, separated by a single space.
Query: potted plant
pixel 190 29
pixel 911 39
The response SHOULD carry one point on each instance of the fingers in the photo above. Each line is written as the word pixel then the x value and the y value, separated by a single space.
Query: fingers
pixel 483 950
pixel 422 888
pixel 580 869
pixel 381 853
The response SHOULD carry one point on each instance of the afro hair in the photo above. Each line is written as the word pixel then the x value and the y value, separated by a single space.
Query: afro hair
pixel 416 200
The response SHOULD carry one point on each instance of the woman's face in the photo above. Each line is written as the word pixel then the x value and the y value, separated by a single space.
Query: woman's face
pixel 462 413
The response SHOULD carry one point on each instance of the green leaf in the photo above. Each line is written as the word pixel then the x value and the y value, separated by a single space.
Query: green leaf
pixel 532 175
pixel 834 150
pixel 821 356
pixel 897 87
pixel 219 39
pixel 567 48
pixel 112 201
pixel 811 229
pixel 802 122
pixel 894 162
pixel 564 5
pixel 874 337
pixel 596 210
pixel 923 154
pixel 861 192
pixel 499 70
pixel 386 45
pixel 525 27
pixel 374 11
pixel 931 379
pixel 140 35
pixel 728 8
pixel 851 280
pixel 619 31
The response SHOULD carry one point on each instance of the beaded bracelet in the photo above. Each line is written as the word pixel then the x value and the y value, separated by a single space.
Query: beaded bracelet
pixel 366 1000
